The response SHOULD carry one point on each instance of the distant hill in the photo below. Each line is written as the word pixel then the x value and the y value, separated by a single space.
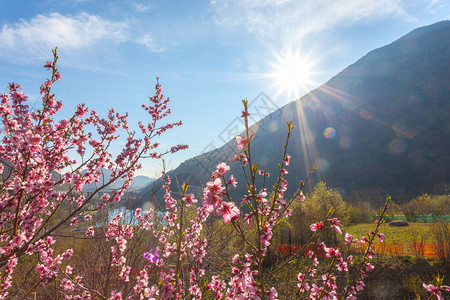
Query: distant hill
pixel 382 125
pixel 138 183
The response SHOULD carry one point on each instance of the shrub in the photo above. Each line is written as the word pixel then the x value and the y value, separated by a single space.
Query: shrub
pixel 440 233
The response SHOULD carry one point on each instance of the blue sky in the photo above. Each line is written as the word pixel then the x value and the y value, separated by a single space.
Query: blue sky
pixel 208 54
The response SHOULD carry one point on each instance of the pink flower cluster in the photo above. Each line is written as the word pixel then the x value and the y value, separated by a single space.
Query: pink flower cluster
pixel 46 160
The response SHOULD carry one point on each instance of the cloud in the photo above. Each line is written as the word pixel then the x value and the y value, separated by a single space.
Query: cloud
pixel 147 41
pixel 30 40
pixel 295 19
pixel 141 7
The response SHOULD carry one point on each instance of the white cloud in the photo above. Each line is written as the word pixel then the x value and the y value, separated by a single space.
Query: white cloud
pixel 141 7
pixel 30 40
pixel 147 41
pixel 295 19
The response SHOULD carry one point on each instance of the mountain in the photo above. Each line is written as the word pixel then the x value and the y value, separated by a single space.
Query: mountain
pixel 382 125
pixel 138 183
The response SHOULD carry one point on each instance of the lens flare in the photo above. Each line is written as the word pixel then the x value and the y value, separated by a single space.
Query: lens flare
pixel 345 142
pixel 273 126
pixel 329 132
pixel 397 146
pixel 365 114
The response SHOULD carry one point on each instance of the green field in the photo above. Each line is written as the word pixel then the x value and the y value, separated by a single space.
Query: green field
pixel 412 233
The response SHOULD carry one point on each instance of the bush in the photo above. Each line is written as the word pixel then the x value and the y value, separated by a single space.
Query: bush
pixel 440 233
pixel 317 204
pixel 427 204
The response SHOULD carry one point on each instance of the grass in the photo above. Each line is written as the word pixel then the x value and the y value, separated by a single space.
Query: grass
pixel 412 233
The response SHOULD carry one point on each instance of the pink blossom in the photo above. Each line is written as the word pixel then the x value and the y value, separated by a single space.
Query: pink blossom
pixel 235 259
pixel 434 290
pixel 317 226
pixel 229 211
pixel 116 295
pixel 330 252
pixel 245 114
pixel 68 254
pixel 178 148
pixel 90 231
pixel 74 222
pixel 232 181
pixel 335 223
pixel 48 65
pixel 360 286
pixel 67 285
pixel 302 197
pixel 263 173
pixel 266 235
pixel 272 293
pixel 248 219
pixel 189 199
pixel 212 194
pixel 369 266
pixel 222 168
pixel 68 269
pixel 315 263
pixel 241 142
pixel 348 238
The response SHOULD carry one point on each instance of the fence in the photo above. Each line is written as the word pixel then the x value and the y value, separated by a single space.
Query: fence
pixel 418 249
pixel 416 218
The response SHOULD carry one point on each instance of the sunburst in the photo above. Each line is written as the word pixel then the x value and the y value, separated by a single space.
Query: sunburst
pixel 293 73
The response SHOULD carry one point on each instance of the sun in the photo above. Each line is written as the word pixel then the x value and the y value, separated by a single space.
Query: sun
pixel 293 73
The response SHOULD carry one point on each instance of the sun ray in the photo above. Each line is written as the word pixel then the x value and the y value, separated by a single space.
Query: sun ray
pixel 309 150
pixel 354 102
pixel 292 73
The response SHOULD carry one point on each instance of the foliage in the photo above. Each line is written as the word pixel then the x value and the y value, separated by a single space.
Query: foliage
pixel 427 204
pixel 441 236
pixel 361 212
pixel 316 205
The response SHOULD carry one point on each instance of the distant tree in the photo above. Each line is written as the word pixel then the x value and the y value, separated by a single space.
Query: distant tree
pixel 427 204
pixel 317 204
pixel 322 199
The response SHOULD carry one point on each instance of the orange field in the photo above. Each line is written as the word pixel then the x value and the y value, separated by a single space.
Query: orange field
pixel 412 248
pixel 418 249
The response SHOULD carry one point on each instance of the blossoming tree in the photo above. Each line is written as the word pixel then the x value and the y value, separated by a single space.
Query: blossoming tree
pixel 36 149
